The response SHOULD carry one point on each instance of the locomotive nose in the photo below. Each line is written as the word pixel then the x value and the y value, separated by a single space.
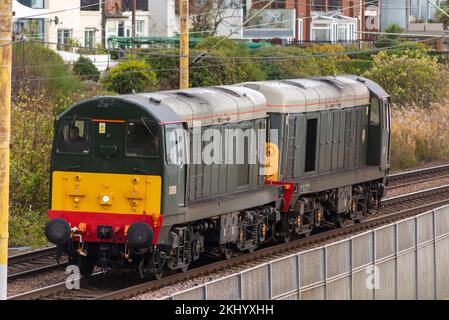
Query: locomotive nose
pixel 140 235
pixel 57 231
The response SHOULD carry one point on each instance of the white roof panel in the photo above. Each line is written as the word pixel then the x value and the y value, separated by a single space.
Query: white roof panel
pixel 308 95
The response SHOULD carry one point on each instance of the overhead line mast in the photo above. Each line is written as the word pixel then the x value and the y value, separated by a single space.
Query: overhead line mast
pixel 184 45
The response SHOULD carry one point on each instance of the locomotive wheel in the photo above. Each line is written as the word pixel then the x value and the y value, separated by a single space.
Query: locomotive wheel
pixel 307 234
pixel 341 223
pixel 287 238
pixel 159 274
pixel 228 253
pixel 185 267
pixel 360 220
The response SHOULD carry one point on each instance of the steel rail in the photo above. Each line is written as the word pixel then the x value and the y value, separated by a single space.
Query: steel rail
pixel 33 262
pixel 407 178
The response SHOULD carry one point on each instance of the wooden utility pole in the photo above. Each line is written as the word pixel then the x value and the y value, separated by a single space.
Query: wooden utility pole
pixel 184 45
pixel 5 119
pixel 133 27
pixel 103 24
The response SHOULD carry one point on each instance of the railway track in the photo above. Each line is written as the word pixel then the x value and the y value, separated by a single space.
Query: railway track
pixel 43 260
pixel 407 178
pixel 33 262
pixel 104 286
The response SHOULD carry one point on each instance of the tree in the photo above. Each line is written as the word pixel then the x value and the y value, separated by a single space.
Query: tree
pixel 85 68
pixel 207 15
pixel 130 76
pixel 37 68
pixel 442 17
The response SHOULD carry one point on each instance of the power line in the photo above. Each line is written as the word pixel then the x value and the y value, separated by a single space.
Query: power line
pixel 438 8
pixel 417 35
pixel 10 43
pixel 235 26
pixel 304 57
pixel 249 57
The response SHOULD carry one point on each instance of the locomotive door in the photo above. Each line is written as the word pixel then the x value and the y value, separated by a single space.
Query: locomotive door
pixel 374 133
pixel 295 145
pixel 299 145
pixel 109 143
pixel 386 128
pixel 175 172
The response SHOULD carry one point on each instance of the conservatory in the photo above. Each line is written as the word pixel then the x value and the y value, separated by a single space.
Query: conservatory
pixel 333 28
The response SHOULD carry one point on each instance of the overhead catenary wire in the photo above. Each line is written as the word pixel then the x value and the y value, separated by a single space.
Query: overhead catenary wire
pixel 240 63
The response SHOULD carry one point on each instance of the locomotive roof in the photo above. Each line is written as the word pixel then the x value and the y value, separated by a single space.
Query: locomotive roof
pixel 251 100
pixel 308 95
pixel 206 106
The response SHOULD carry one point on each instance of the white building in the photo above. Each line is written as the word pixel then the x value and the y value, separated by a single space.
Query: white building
pixel 35 10
pixel 408 12
pixel 81 20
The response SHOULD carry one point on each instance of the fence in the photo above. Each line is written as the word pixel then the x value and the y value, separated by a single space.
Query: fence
pixel 404 260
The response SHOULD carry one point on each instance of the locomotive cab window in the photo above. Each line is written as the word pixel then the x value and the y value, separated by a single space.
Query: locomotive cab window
pixel 73 137
pixel 374 112
pixel 142 139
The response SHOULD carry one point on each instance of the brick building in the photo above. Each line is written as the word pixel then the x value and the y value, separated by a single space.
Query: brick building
pixel 323 20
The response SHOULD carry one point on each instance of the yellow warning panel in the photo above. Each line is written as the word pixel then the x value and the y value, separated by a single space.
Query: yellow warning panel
pixel 106 193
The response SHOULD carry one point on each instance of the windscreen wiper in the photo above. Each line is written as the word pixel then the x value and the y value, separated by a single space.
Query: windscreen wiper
pixel 146 126
pixel 73 121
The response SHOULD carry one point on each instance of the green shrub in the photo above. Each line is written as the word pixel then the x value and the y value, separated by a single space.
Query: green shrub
pixel 356 66
pixel 31 139
pixel 85 68
pixel 26 227
pixel 292 62
pixel 411 78
pixel 210 71
pixel 281 66
pixel 130 76
pixel 166 67
pixel 393 28
pixel 36 67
